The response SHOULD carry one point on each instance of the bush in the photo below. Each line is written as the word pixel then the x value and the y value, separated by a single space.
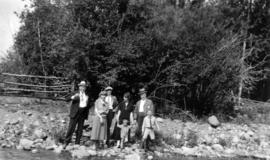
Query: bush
pixel 192 139
pixel 58 133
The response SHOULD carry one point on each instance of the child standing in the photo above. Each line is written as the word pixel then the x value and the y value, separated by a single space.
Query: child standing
pixel 148 125
pixel 124 132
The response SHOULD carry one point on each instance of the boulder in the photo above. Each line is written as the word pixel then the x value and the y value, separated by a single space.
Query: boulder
pixel 213 121
pixel 26 143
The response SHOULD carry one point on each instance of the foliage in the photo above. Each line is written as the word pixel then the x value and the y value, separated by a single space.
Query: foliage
pixel 188 55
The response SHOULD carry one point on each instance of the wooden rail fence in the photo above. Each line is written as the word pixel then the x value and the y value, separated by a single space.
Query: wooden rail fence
pixel 47 87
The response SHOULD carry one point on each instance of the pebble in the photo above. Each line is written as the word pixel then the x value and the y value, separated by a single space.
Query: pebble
pixel 34 151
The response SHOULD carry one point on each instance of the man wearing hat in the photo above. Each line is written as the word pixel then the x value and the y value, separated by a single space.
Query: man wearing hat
pixel 79 110
pixel 112 103
pixel 142 107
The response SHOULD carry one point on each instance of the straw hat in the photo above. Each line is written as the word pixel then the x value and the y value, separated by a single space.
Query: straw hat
pixel 109 88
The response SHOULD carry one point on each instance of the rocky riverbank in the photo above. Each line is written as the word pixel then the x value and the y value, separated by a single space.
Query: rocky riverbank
pixel 39 126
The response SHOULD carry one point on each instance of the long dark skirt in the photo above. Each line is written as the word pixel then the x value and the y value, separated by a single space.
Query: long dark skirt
pixel 116 133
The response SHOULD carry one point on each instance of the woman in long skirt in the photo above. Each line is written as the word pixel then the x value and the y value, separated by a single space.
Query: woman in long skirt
pixel 99 128
pixel 124 112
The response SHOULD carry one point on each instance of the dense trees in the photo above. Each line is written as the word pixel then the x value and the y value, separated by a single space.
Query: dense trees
pixel 194 55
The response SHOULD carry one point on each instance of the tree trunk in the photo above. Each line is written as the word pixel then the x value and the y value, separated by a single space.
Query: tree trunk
pixel 241 83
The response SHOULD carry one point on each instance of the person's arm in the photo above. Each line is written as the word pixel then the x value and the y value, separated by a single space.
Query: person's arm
pixel 118 115
pixel 152 107
pixel 74 97
pixel 119 125
pixel 156 123
pixel 131 118
pixel 115 104
pixel 135 111
pixel 97 103
pixel 143 126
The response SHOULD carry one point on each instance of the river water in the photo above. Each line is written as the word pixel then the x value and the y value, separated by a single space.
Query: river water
pixel 9 154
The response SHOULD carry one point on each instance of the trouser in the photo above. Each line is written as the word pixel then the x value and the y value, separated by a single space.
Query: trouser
pixel 140 118
pixel 78 121
pixel 110 117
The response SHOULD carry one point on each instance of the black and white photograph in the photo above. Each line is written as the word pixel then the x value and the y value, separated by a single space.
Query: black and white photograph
pixel 135 80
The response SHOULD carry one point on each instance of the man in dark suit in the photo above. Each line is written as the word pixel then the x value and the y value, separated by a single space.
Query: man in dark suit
pixel 79 110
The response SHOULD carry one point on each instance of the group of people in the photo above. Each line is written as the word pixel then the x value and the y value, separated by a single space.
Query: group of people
pixel 113 122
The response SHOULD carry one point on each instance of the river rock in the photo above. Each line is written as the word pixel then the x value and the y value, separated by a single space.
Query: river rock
pixel 34 151
pixel 188 151
pixel 38 141
pixel 160 120
pixel 177 136
pixel 235 140
pixel 39 133
pixel 158 153
pixel 26 143
pixel 134 156
pixel 213 121
pixel 19 147
pixel 80 153
pixel 58 149
pixel 217 147
pixel 92 152
pixel 14 122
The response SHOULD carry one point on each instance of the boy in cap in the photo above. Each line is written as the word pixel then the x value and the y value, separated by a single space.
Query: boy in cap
pixel 149 123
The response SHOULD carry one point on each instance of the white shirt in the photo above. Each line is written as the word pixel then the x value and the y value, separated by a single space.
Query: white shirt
pixel 109 100
pixel 83 100
pixel 141 107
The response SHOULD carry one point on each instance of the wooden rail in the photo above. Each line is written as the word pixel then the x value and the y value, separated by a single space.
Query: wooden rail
pixel 32 76
pixel 35 86
pixel 33 90
pixel 41 86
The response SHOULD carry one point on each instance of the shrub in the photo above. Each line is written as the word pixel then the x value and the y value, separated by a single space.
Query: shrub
pixel 58 133
pixel 192 139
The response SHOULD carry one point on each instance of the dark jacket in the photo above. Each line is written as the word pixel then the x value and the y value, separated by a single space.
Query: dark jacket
pixel 74 107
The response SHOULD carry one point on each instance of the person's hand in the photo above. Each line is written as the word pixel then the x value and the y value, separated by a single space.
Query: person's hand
pixel 101 120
